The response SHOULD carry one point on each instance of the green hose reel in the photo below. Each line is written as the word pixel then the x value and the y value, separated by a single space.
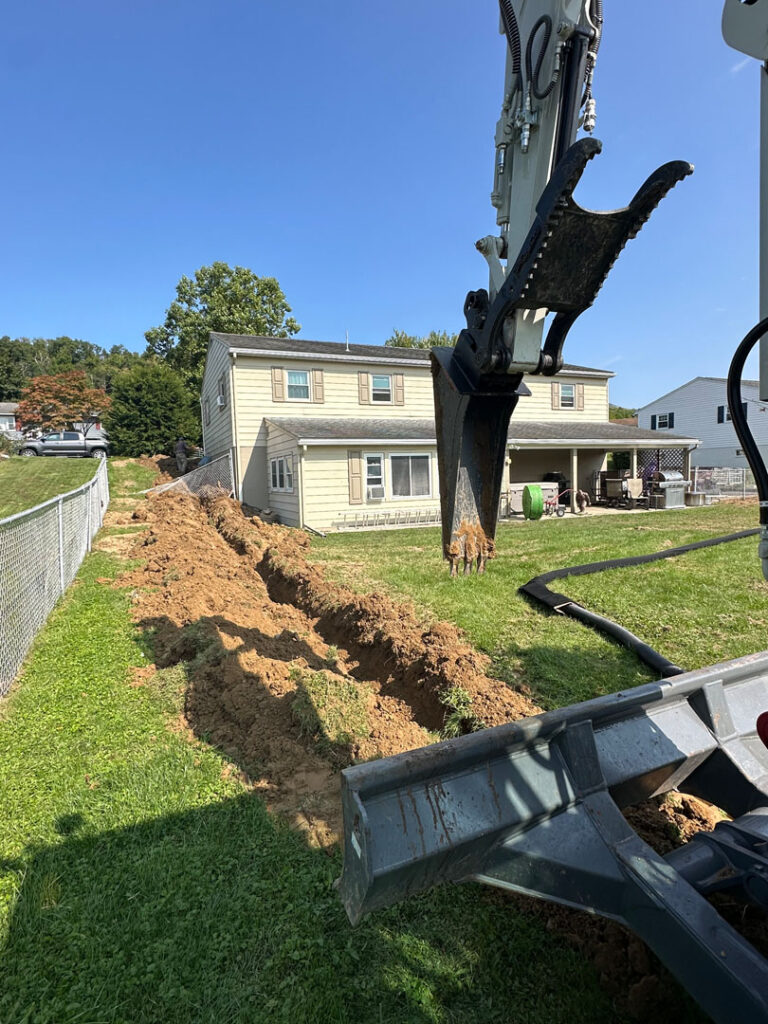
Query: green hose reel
pixel 533 502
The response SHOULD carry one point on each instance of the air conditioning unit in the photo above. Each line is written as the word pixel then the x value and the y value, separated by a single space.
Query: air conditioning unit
pixel 221 401
pixel 376 493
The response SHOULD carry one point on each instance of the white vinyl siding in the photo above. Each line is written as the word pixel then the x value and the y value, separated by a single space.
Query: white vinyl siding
pixel 217 423
pixel 326 487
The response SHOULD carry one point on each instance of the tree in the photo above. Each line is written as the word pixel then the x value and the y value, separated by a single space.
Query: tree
pixel 56 402
pixel 219 298
pixel 620 412
pixel 399 339
pixel 150 410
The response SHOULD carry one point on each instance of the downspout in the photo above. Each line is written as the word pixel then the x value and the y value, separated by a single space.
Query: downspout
pixel 302 452
pixel 233 421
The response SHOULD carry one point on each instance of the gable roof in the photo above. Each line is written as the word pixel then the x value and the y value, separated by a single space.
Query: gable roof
pixel 7 408
pixel 338 351
pixel 693 380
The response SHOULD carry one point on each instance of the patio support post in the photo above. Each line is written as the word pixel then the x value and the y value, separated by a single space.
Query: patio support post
pixel 634 463
pixel 574 476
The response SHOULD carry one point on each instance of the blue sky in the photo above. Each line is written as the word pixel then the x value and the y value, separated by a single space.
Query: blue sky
pixel 346 148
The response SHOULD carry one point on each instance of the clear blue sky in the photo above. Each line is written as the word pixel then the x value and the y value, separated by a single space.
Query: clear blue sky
pixel 346 149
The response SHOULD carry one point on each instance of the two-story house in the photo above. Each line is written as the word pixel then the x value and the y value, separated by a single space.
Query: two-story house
pixel 700 407
pixel 8 415
pixel 329 435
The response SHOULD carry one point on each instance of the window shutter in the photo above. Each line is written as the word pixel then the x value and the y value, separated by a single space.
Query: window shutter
pixel 364 388
pixel 580 398
pixel 399 383
pixel 355 465
pixel 721 414
pixel 555 395
pixel 318 391
pixel 278 384
pixel 653 422
pixel 671 420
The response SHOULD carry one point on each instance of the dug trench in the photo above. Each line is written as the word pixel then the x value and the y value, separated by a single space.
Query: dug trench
pixel 294 677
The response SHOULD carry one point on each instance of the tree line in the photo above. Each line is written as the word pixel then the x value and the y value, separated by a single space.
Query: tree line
pixel 147 400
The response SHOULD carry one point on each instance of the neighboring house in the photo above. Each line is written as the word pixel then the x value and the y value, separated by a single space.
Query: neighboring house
pixel 8 415
pixel 328 435
pixel 700 408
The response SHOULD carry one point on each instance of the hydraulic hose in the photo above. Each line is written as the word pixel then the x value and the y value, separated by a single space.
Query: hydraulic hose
pixel 512 32
pixel 537 589
pixel 532 72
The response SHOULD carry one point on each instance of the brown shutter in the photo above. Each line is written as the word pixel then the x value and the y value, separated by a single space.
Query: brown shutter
pixel 318 391
pixel 355 464
pixel 399 389
pixel 278 384
pixel 555 395
pixel 580 398
pixel 363 388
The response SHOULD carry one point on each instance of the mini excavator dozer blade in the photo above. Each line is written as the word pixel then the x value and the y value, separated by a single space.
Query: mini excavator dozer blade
pixel 535 807
pixel 561 267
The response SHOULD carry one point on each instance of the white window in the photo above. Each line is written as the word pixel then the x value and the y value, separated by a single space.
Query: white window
pixel 221 396
pixel 663 421
pixel 411 476
pixel 381 387
pixel 281 472
pixel 567 396
pixel 298 385
pixel 374 477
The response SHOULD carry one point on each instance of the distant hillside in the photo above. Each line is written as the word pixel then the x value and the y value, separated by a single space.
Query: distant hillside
pixel 620 412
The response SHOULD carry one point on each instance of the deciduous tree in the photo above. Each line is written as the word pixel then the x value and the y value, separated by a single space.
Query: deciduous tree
pixel 399 339
pixel 218 298
pixel 56 402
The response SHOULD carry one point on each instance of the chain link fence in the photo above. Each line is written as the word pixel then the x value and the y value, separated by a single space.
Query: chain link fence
pixel 40 552
pixel 215 475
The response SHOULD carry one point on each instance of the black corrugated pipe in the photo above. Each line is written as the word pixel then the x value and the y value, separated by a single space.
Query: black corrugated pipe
pixel 538 591
pixel 739 418
pixel 512 32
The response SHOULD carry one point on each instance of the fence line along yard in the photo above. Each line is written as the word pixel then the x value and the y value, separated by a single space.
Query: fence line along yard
pixel 216 474
pixel 40 552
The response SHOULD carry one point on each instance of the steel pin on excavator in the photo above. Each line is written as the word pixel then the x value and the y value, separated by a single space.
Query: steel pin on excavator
pixel 536 806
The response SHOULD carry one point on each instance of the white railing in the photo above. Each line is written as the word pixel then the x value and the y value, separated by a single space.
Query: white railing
pixel 723 480
pixel 40 552
pixel 216 474
pixel 370 520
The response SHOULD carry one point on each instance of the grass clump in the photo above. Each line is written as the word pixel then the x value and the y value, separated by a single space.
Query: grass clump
pixel 332 711
pixel 459 717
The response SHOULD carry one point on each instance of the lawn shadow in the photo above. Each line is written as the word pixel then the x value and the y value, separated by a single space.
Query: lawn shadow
pixel 222 914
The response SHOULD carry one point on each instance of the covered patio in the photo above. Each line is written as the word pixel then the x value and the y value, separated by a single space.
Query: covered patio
pixel 576 452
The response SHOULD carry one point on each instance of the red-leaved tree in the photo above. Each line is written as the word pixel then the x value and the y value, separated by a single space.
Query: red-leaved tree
pixel 54 403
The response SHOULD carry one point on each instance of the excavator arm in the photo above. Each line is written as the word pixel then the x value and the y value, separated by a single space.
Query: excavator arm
pixel 551 256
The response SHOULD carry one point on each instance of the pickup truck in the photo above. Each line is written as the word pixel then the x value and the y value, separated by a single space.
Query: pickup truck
pixel 67 442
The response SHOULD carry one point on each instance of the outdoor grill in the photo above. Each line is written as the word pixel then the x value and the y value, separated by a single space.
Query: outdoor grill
pixel 668 489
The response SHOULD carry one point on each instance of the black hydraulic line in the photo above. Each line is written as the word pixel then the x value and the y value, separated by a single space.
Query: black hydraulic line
pixel 512 32
pixel 739 417
pixel 532 72
pixel 538 590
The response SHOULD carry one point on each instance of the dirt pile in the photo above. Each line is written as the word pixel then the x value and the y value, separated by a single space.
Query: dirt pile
pixel 273 682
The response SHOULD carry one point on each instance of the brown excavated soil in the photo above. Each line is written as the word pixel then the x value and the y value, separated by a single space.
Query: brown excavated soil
pixel 237 601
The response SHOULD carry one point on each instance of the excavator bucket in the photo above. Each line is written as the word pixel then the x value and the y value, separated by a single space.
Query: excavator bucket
pixel 536 807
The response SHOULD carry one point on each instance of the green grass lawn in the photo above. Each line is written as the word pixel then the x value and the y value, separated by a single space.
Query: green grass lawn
pixel 696 609
pixel 141 883
pixel 26 482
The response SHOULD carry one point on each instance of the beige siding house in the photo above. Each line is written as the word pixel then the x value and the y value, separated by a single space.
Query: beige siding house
pixel 331 436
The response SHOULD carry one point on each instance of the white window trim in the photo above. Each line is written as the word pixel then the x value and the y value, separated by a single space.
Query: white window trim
pixel 572 404
pixel 287 461
pixel 376 455
pixel 391 399
pixel 221 392
pixel 410 497
pixel 308 375
pixel 659 424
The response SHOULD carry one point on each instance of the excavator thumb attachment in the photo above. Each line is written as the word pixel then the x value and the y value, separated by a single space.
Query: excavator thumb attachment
pixel 535 807
pixel 561 267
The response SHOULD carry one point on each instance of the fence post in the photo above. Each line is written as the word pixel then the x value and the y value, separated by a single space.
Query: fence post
pixel 60 507
pixel 89 494
pixel 232 473
pixel 743 483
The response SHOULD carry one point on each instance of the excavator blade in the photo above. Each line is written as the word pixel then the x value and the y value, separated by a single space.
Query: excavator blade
pixel 471 448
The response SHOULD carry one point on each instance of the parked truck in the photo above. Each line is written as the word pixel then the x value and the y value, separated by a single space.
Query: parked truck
pixel 72 443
